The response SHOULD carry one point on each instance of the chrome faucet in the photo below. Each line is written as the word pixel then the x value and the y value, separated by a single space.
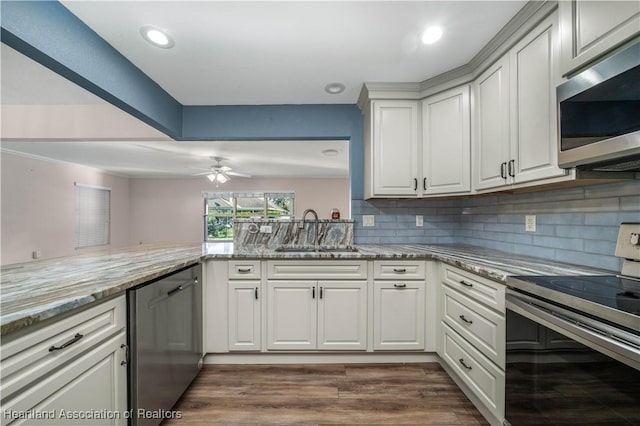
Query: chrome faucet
pixel 315 220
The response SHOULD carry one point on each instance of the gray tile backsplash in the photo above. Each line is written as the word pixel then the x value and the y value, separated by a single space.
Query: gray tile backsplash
pixel 576 225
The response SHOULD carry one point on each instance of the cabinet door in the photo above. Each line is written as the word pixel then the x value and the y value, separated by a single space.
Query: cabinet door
pixel 291 314
pixel 342 315
pixel 534 77
pixel 395 147
pixel 446 142
pixel 398 315
pixel 491 126
pixel 244 315
pixel 591 28
pixel 96 382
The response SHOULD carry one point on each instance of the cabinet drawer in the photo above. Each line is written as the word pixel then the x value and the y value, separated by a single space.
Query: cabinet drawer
pixel 244 269
pixel 29 357
pixel 391 270
pixel 484 379
pixel 481 326
pixel 94 382
pixel 479 289
pixel 317 269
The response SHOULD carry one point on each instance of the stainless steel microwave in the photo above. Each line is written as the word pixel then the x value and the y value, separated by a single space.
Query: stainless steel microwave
pixel 599 115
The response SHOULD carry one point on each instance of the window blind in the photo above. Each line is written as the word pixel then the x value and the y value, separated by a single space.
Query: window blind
pixel 93 214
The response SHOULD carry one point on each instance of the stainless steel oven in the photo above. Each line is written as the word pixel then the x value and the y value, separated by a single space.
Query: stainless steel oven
pixel 573 346
pixel 599 115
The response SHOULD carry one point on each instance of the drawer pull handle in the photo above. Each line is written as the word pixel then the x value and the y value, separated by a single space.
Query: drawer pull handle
pixel 466 284
pixel 400 285
pixel 126 354
pixel 320 292
pixel 256 293
pixel 77 337
pixel 244 270
pixel 468 367
pixel 465 320
pixel 400 270
pixel 313 293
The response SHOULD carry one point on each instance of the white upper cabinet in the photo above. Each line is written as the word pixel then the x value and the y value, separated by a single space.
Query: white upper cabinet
pixel 591 28
pixel 515 113
pixel 392 149
pixel 534 77
pixel 491 126
pixel 446 142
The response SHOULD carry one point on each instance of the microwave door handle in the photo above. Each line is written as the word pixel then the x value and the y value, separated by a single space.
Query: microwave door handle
pixel 624 351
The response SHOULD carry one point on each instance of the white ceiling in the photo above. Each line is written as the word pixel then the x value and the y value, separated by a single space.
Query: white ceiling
pixel 234 53
pixel 266 159
pixel 285 52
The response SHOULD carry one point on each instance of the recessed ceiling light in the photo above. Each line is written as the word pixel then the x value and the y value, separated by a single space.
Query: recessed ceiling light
pixel 157 37
pixel 431 35
pixel 330 152
pixel 334 88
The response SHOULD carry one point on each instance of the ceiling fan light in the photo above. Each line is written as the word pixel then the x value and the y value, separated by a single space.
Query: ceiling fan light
pixel 222 178
pixel 211 177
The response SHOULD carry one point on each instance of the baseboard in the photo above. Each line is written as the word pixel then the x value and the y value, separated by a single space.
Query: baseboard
pixel 319 358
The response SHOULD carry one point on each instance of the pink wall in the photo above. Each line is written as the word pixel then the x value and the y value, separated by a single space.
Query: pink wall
pixel 172 209
pixel 38 207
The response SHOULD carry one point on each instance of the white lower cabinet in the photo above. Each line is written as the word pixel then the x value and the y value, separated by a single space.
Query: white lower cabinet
pixel 481 375
pixel 309 315
pixel 473 337
pixel 92 386
pixel 244 315
pixel 72 372
pixel 398 313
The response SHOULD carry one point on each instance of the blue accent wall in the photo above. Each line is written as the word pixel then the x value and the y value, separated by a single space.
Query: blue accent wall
pixel 282 122
pixel 50 34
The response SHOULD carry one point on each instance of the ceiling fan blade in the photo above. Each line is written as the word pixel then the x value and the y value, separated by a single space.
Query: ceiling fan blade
pixel 230 173
pixel 225 169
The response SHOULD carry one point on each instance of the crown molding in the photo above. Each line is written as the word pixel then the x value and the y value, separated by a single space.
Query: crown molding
pixel 524 21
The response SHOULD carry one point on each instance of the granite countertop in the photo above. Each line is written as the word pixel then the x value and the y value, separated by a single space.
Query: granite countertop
pixel 36 291
pixel 492 264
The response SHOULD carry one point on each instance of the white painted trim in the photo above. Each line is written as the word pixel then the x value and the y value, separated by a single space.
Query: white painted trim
pixel 320 358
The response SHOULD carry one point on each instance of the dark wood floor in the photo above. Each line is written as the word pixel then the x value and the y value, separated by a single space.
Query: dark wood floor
pixel 418 394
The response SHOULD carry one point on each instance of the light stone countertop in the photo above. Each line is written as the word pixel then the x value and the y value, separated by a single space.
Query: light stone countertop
pixel 33 292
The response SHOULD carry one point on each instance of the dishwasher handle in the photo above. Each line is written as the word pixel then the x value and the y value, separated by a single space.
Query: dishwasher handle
pixel 182 286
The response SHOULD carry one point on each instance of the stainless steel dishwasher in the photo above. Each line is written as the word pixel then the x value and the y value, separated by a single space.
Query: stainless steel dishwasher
pixel 165 337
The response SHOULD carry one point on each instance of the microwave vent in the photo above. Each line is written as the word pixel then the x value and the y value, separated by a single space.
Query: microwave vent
pixel 629 165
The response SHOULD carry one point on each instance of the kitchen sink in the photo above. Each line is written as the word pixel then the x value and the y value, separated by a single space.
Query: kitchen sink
pixel 319 249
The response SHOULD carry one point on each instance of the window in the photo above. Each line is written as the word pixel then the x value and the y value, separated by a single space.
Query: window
pixel 222 208
pixel 93 216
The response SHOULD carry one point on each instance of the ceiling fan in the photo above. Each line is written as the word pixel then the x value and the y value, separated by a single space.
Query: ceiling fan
pixel 220 174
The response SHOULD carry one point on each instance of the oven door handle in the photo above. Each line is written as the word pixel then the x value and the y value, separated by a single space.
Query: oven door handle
pixel 617 344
